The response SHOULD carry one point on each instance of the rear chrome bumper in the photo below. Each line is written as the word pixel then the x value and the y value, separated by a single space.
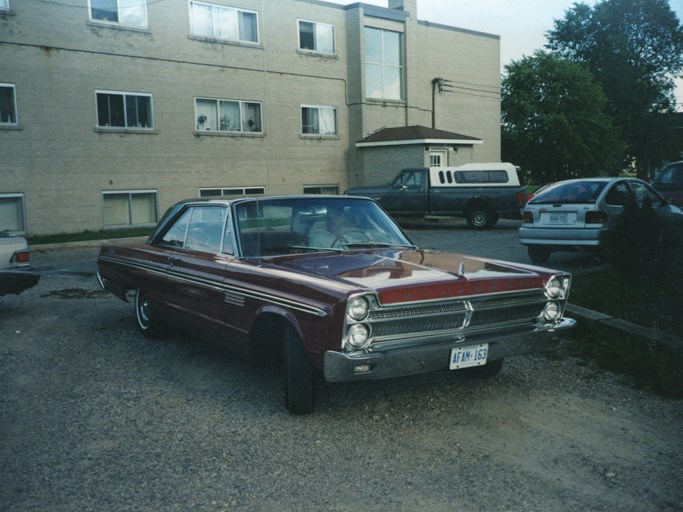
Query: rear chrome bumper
pixel 397 362
pixel 563 236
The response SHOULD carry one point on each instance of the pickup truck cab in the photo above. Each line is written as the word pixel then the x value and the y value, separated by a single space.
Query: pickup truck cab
pixel 481 193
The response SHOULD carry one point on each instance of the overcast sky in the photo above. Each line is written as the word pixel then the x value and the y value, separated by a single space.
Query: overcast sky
pixel 520 24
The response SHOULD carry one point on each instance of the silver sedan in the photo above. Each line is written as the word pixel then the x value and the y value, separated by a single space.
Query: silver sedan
pixel 578 214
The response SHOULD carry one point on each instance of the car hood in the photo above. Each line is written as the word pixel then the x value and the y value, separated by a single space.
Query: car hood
pixel 417 275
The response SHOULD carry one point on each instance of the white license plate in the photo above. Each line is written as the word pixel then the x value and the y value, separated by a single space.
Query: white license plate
pixel 558 218
pixel 464 357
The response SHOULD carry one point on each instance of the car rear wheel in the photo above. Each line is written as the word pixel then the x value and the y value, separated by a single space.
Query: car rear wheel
pixel 148 323
pixel 298 375
pixel 487 371
pixel 538 253
pixel 481 217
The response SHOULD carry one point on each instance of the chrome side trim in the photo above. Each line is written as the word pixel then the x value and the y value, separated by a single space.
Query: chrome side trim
pixel 235 295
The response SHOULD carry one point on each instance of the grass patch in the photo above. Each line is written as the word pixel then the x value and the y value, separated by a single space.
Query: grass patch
pixel 85 236
pixel 644 299
pixel 651 303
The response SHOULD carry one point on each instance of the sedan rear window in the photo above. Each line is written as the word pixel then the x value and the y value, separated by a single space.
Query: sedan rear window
pixel 572 192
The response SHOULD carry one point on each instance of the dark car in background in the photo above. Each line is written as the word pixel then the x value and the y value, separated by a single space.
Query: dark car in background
pixel 578 215
pixel 669 183
pixel 330 284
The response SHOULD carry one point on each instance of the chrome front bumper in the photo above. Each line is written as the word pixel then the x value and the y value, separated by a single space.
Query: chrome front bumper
pixel 414 359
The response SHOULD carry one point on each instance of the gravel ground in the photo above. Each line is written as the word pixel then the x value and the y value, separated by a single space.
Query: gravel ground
pixel 94 417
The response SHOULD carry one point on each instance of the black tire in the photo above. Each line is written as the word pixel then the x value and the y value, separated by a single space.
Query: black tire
pixel 480 217
pixel 538 253
pixel 487 371
pixel 147 320
pixel 298 375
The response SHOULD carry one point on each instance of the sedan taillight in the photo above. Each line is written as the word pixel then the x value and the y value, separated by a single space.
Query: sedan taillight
pixel 527 218
pixel 21 257
pixel 596 218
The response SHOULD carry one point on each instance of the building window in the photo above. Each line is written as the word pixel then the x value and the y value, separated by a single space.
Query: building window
pixel 322 189
pixel 8 105
pixel 131 13
pixel 124 110
pixel 232 191
pixel 12 213
pixel 317 37
pixel 226 23
pixel 130 208
pixel 4 5
pixel 383 64
pixel 228 116
pixel 318 120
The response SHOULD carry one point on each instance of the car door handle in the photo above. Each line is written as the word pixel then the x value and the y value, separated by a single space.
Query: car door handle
pixel 172 260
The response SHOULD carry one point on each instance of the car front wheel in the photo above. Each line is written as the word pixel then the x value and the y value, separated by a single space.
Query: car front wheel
pixel 298 375
pixel 148 323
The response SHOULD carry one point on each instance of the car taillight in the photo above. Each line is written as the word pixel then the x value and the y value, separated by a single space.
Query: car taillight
pixel 527 218
pixel 21 257
pixel 596 218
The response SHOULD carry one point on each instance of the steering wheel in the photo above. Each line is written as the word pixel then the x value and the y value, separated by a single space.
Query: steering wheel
pixel 351 236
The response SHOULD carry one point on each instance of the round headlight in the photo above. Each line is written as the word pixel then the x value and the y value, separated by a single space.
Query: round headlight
pixel 358 336
pixel 554 288
pixel 551 312
pixel 358 308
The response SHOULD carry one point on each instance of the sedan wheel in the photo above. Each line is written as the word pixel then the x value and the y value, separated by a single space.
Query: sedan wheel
pixel 144 313
pixel 298 375
pixel 538 254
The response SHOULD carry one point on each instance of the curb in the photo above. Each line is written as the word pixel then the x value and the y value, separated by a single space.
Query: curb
pixel 593 319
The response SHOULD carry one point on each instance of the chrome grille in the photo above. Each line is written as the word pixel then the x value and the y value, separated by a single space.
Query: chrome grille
pixel 510 308
pixel 456 315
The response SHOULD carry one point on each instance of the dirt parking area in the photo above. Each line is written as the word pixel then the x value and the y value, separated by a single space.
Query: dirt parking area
pixel 94 417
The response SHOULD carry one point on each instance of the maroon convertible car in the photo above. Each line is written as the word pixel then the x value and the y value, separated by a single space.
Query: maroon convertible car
pixel 331 284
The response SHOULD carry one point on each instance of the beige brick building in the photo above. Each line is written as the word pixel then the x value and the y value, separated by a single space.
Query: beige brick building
pixel 111 110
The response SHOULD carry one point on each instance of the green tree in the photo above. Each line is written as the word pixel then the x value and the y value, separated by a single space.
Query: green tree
pixel 554 121
pixel 634 48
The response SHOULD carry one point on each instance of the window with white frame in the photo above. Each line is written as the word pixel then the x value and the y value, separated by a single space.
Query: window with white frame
pixel 4 5
pixel 317 37
pixel 322 189
pixel 227 116
pixel 232 191
pixel 129 13
pixel 8 105
pixel 317 120
pixel 221 22
pixel 12 213
pixel 383 64
pixel 124 110
pixel 130 208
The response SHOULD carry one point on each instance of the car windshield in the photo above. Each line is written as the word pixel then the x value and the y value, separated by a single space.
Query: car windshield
pixel 274 227
pixel 570 192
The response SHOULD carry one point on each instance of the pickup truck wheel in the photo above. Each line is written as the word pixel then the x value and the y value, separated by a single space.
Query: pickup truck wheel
pixel 298 375
pixel 538 254
pixel 148 323
pixel 480 217
pixel 487 371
